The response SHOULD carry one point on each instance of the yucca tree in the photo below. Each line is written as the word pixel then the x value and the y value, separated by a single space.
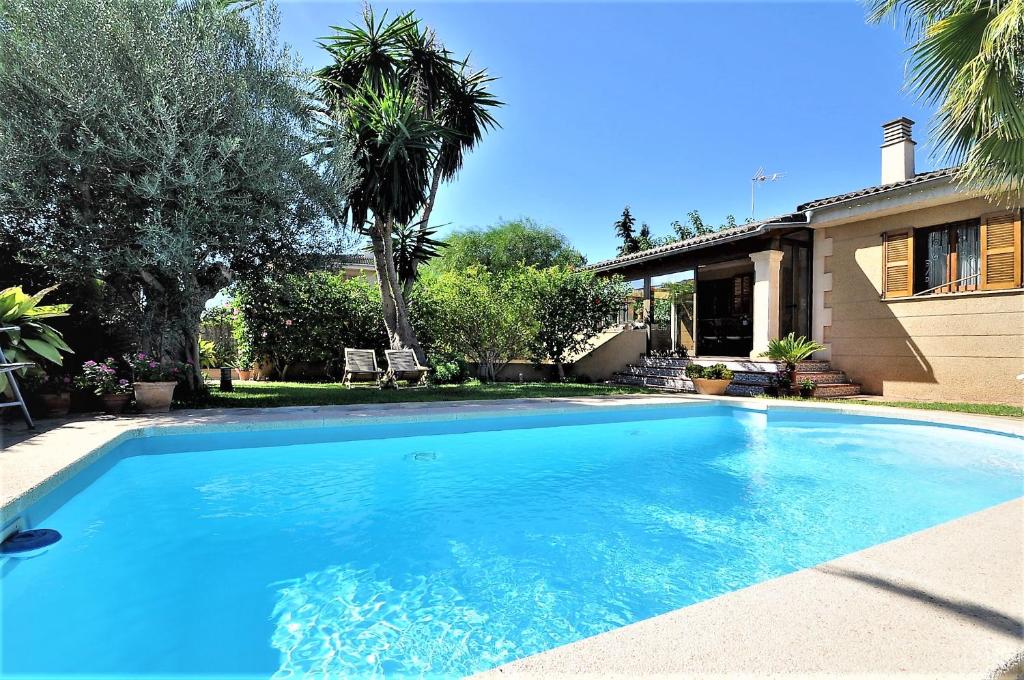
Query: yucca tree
pixel 412 112
pixel 395 146
pixel 967 58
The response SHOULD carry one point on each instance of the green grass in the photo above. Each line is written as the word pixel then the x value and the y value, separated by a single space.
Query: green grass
pixel 983 409
pixel 260 394
pixel 954 407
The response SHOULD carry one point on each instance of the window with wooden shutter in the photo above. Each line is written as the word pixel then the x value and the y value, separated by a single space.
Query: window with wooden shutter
pixel 1000 251
pixel 898 276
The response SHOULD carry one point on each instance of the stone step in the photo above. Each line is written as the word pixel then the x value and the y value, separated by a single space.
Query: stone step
pixel 823 377
pixel 813 366
pixel 830 391
pixel 739 378
pixel 663 362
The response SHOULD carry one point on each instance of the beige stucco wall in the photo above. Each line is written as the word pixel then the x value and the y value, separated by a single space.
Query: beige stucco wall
pixel 614 355
pixel 967 347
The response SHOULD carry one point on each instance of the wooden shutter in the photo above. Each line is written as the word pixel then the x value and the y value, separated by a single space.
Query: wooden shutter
pixel 898 274
pixel 1000 251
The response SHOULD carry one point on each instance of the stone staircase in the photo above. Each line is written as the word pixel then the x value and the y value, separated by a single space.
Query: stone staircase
pixel 750 377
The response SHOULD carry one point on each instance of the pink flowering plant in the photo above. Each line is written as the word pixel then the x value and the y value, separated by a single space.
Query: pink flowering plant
pixel 101 378
pixel 146 368
pixel 44 382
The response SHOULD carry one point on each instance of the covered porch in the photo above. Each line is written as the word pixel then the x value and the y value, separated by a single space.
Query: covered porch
pixel 721 295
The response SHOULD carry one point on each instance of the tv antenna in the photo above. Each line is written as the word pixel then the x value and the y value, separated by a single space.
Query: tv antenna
pixel 760 178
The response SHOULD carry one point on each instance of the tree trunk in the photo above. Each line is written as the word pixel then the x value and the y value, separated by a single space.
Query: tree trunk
pixel 561 370
pixel 428 208
pixel 396 315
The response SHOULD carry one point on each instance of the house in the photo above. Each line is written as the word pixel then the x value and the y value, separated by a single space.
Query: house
pixel 355 265
pixel 914 286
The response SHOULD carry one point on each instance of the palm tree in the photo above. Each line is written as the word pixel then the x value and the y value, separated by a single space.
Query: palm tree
pixel 791 350
pixel 967 57
pixel 412 112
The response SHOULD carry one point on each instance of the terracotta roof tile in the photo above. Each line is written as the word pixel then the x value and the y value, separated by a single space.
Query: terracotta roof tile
pixel 704 239
pixel 882 188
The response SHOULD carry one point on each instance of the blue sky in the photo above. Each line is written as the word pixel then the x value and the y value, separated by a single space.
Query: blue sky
pixel 667 107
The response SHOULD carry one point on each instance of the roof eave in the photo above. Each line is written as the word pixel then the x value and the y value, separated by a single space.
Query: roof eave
pixel 620 263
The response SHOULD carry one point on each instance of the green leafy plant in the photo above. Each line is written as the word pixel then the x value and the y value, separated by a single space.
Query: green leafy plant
pixel 807 384
pixel 102 377
pixel 713 372
pixel 448 370
pixel 309 318
pixel 33 340
pixel 718 372
pixel 207 356
pixel 791 349
pixel 38 381
pixel 966 61
pixel 475 314
pixel 571 308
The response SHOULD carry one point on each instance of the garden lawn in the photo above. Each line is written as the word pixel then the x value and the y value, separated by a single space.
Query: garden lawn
pixel 1006 410
pixel 982 409
pixel 259 394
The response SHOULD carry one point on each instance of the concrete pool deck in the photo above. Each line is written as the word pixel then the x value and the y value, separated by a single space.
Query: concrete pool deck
pixel 946 601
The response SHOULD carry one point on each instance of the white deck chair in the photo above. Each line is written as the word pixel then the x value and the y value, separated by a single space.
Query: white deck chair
pixel 361 366
pixel 402 365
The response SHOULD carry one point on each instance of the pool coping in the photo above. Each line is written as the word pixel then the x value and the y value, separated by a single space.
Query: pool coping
pixel 760 630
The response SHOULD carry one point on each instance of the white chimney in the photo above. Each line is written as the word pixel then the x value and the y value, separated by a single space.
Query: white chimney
pixel 897 151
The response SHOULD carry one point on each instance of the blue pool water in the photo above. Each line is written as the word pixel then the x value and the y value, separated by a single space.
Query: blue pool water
pixel 444 548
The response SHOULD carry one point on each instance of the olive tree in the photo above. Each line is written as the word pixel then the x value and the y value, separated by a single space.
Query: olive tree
pixel 162 148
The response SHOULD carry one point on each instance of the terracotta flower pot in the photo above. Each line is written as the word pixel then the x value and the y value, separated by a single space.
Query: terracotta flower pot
pixel 244 374
pixel 710 386
pixel 115 403
pixel 54 405
pixel 154 397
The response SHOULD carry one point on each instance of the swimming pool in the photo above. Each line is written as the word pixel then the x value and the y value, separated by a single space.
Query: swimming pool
pixel 451 546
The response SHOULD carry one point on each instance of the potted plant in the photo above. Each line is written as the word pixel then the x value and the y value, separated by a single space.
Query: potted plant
pixel 101 378
pixel 807 388
pixel 49 394
pixel 791 350
pixel 712 380
pixel 154 381
pixel 778 385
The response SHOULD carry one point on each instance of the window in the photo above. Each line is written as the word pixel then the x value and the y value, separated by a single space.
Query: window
pixel 742 293
pixel 982 254
pixel 948 258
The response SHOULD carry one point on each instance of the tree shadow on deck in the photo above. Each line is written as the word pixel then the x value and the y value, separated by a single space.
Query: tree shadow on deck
pixel 993 619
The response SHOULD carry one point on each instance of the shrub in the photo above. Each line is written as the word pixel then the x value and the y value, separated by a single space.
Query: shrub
pixel 476 314
pixel 571 308
pixel 310 318
pixel 448 370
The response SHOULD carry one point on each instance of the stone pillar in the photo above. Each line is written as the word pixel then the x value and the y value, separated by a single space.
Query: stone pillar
pixel 767 265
